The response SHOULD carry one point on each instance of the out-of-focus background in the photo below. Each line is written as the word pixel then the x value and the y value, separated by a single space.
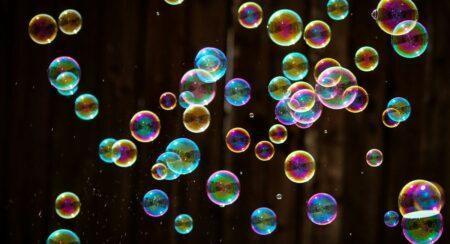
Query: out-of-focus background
pixel 132 51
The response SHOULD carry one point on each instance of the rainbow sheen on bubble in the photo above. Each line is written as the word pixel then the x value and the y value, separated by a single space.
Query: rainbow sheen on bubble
pixel 303 126
pixel 67 205
pixel 361 100
pixel 391 218
pixel 285 27
pixel 42 29
pixel 337 9
pixel 302 100
pixel 182 100
pixel 278 88
pixel 223 188
pixel 63 236
pixel 321 209
pixel 188 152
pixel 335 97
pixel 196 118
pixel 400 109
pixel 68 93
pixel 264 150
pixel 278 134
pixel 250 15
pixel 155 203
pixel 105 151
pixel 295 66
pixel 263 221
pixel 238 140
pixel 197 87
pixel 419 195
pixel 390 13
pixel 127 152
pixel 237 92
pixel 64 73
pixel 423 226
pixel 283 113
pixel 387 121
pixel 66 81
pixel 366 59
pixel 159 171
pixel 184 224
pixel 299 166
pixel 70 21
pixel 168 101
pixel 213 61
pixel 374 157
pixel 145 126
pixel 86 107
pixel 299 85
pixel 174 2
pixel 317 34
pixel 322 65
pixel 165 158
pixel 411 44
pixel 309 116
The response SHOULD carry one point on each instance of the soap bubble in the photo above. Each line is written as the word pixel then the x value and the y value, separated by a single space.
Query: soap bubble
pixel 366 59
pixel 213 61
pixel 127 151
pixel 237 92
pixel 155 203
pixel 285 27
pixel 283 113
pixel 223 188
pixel 419 195
pixel 411 44
pixel 361 100
pixel 374 157
pixel 278 88
pixel 196 118
pixel 391 218
pixel 66 81
pixel 302 100
pixel 337 9
pixel 390 13
pixel 317 34
pixel 67 205
pixel 401 109
pixel 387 121
pixel 188 152
pixel 322 65
pixel 145 126
pixel 69 68
pixel 299 166
pixel 263 221
pixel 86 107
pixel 184 224
pixel 250 15
pixel 182 99
pixel 42 29
pixel 423 226
pixel 63 236
pixel 174 2
pixel 159 171
pixel 278 134
pixel 321 209
pixel 335 97
pixel 309 116
pixel 295 66
pixel 105 151
pixel 264 150
pixel 164 159
pixel 299 85
pixel 237 140
pixel 196 87
pixel 70 22
pixel 168 101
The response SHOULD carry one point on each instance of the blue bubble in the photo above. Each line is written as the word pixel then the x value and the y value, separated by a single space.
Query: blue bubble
pixel 237 92
pixel 105 151
pixel 155 203
pixel 212 60
pixel 391 218
pixel 166 157
pixel 401 109
pixel 322 209
pixel 263 221
pixel 188 152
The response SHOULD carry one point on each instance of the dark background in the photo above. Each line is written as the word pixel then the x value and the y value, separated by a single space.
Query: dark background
pixel 130 54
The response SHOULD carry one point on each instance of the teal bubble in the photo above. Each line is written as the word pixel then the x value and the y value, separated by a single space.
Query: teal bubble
pixel 223 188
pixel 412 44
pixel 182 100
pixel 391 218
pixel 155 203
pixel 263 221
pixel 401 109
pixel 165 158
pixel 105 151
pixel 68 93
pixel 184 224
pixel 189 154
pixel 63 236
pixel 279 88
pixel 237 92
pixel 66 81
pixel 422 226
pixel 337 9
pixel 295 66
pixel 86 107
pixel 70 70
pixel 212 60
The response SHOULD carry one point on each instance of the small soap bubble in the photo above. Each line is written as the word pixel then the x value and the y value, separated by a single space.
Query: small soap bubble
pixel 299 166
pixel 278 88
pixel 145 126
pixel 213 61
pixel 168 101
pixel 159 171
pixel 189 153
pixel 70 22
pixel 237 140
pixel 223 188
pixel 237 92
pixel 400 109
pixel 67 205
pixel 321 209
pixel 264 150
pixel 184 224
pixel 411 44
pixel 374 157
pixel 86 107
pixel 263 221
pixel 250 15
pixel 105 151
pixel 366 59
pixel 391 218
pixel 155 203
pixel 278 134
pixel 419 195
pixel 63 236
pixel 127 152
pixel 42 29
pixel 295 66
pixel 285 27
pixel 337 9
pixel 196 118
pixel 317 34
pixel 423 226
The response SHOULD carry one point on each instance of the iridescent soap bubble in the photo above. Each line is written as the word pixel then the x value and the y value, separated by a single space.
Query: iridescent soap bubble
pixel 196 118
pixel 188 152
pixel 295 66
pixel 387 121
pixel 159 171
pixel 299 166
pixel 390 13
pixel 127 151
pixel 213 61
pixel 184 224
pixel 411 44
pixel 263 221
pixel 174 2
pixel 361 100
pixel 145 126
pixel 264 150
pixel 86 106
pixel 63 236
pixel 321 209
pixel 237 140
pixel 419 195
pixel 324 64
pixel 391 218
pixel 423 226
pixel 285 27
pixel 155 203
pixel 196 87
pixel 401 109
pixel 374 157
pixel 317 34
pixel 335 97
pixel 303 126
pixel 64 73
pixel 309 116
pixel 42 29
pixel 278 134
pixel 67 205
pixel 278 88
pixel 223 188
pixel 366 59
pixel 68 93
pixel 182 99
pixel 237 92
pixel 70 22
pixel 337 9
pixel 105 151
pixel 165 158
pixel 302 101
pixel 283 113
pixel 299 85
pixel 250 15
pixel 168 101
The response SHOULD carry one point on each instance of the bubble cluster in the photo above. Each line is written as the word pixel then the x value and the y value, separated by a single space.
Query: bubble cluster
pixel 184 224
pixel 86 107
pixel 317 34
pixel 145 126
pixel 42 29
pixel 70 22
pixel 237 92
pixel 285 27
pixel 278 88
pixel 391 218
pixel 166 158
pixel 324 64
pixel 419 195
pixel 374 157
pixel 223 188
pixel 302 100
pixel 423 226
pixel 278 134
pixel 334 96
pixel 63 236
pixel 168 101
pixel 155 203
pixel 337 9
pixel 366 59
pixel 400 109
pixel 321 209
pixel 213 61
pixel 67 205
pixel 295 66
pixel 237 140
pixel 196 118
pixel 197 87
pixel 250 15
pixel 412 44
pixel 299 166
pixel 159 171
pixel 105 151
pixel 127 152
pixel 390 13
pixel 361 100
pixel 263 221
pixel 264 150
pixel 188 152
pixel 64 73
